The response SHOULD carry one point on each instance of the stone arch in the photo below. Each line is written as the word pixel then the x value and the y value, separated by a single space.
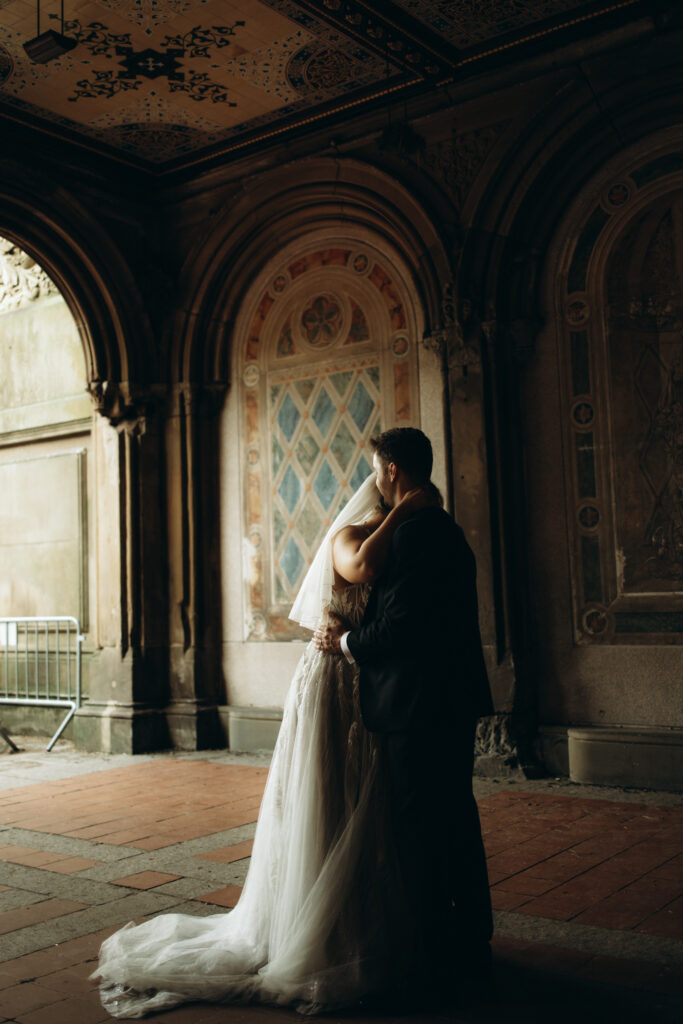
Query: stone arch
pixel 313 204
pixel 277 208
pixel 125 656
pixel 94 280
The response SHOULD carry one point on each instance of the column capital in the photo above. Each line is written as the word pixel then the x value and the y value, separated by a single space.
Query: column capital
pixel 127 406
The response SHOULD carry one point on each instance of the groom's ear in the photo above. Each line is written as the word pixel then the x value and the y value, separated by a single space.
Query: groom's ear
pixel 392 470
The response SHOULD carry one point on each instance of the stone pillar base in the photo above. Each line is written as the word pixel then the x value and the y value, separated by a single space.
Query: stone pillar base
pixel 113 728
pixel 193 726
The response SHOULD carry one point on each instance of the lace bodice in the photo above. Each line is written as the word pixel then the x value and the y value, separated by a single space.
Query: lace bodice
pixel 349 602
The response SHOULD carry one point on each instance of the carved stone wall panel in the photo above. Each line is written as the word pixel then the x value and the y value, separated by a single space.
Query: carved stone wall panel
pixel 43 545
pixel 22 281
pixel 622 399
pixel 457 161
pixel 646 358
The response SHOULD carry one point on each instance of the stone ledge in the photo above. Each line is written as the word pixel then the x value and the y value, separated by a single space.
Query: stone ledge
pixel 646 758
pixel 250 728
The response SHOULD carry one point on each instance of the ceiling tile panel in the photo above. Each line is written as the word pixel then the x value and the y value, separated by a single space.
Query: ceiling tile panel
pixel 161 80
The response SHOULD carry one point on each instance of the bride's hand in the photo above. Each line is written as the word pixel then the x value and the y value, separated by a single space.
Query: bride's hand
pixel 418 498
pixel 327 636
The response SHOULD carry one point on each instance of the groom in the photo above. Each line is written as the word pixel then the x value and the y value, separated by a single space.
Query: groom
pixel 423 684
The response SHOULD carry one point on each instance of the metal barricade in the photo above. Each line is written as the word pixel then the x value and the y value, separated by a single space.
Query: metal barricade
pixel 40 663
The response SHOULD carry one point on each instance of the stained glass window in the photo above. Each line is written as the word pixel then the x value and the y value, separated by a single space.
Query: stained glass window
pixel 319 456
pixel 327 362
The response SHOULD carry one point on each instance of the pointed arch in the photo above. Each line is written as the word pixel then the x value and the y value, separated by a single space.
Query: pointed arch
pixel 91 274
pixel 275 210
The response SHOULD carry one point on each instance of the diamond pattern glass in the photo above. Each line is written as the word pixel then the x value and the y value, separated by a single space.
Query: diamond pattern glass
pixel 288 417
pixel 317 462
pixel 278 455
pixel 360 473
pixel 326 485
pixel 341 381
pixel 323 412
pixel 361 406
pixel 306 451
pixel 343 445
pixel 292 561
pixel 306 387
pixel 309 524
pixel 290 489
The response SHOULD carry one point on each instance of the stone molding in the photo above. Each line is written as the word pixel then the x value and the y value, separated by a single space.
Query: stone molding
pixel 454 338
pixel 126 405
pixel 22 281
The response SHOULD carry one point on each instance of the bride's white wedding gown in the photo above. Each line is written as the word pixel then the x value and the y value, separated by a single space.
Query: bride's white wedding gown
pixel 318 924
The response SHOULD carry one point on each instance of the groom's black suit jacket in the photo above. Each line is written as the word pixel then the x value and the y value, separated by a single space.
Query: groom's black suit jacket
pixel 419 647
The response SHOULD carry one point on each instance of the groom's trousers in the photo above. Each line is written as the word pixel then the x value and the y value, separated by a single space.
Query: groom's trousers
pixel 437 835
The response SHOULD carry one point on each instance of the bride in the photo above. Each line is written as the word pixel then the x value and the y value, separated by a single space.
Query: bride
pixel 319 922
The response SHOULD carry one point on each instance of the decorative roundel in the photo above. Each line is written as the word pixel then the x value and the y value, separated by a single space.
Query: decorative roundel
pixel 258 625
pixel 577 312
pixel 360 263
pixel 589 517
pixel 280 283
pixel 595 621
pixel 618 195
pixel 253 457
pixel 255 539
pixel 583 414
pixel 251 375
pixel 400 345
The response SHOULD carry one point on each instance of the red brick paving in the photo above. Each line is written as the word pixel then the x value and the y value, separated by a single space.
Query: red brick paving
pixel 585 860
pixel 594 862
pixel 45 910
pixel 145 879
pixel 162 800
pixel 227 897
pixel 228 854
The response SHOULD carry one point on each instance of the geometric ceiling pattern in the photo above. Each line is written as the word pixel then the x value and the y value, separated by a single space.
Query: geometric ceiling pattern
pixel 160 83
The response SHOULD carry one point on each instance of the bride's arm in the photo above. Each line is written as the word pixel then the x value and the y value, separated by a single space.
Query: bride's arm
pixel 359 556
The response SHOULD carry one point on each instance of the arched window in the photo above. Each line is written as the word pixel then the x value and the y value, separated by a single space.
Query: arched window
pixel 327 360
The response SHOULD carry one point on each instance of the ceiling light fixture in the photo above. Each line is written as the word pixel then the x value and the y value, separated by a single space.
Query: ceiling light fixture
pixel 50 44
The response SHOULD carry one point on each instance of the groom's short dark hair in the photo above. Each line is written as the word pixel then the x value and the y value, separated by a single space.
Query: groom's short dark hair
pixel 409 448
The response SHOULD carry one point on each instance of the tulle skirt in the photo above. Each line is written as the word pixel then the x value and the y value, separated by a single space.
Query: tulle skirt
pixel 318 924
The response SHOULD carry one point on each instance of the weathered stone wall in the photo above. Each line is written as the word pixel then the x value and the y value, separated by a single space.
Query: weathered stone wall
pixel 484 193
pixel 45 456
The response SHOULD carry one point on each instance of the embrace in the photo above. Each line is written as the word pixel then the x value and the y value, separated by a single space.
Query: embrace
pixel 368 876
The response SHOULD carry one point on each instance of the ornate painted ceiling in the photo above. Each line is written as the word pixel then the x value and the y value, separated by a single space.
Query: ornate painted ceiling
pixel 165 82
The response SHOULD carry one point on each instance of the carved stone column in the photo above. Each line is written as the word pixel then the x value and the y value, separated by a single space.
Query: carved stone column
pixel 128 669
pixel 195 614
pixel 464 340
pixel 511 345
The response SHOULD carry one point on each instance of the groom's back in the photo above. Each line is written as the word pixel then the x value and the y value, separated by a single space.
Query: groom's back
pixel 436 663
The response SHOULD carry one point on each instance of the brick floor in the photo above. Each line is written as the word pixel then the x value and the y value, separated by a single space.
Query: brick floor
pixel 145 879
pixel 228 854
pixel 227 897
pixel 588 891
